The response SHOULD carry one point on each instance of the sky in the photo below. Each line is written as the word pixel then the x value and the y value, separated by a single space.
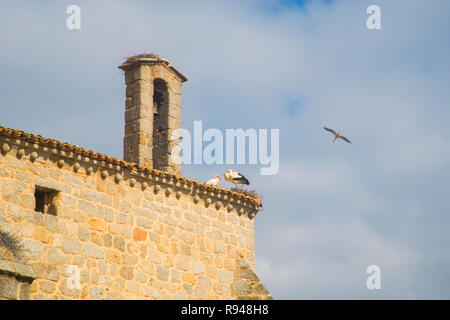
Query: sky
pixel 333 209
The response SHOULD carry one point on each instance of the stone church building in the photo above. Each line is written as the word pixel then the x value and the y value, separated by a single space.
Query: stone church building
pixel 77 224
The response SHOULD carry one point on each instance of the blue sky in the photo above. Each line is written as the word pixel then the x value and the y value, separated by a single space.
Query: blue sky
pixel 333 209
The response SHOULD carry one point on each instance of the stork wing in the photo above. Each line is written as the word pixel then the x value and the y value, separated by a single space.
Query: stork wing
pixel 345 139
pixel 241 179
pixel 331 130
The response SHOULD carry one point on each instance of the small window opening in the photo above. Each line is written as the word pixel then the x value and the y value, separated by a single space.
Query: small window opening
pixel 45 200
pixel 160 145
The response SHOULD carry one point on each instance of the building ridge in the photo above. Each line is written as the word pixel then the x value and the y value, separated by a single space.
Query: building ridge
pixel 64 146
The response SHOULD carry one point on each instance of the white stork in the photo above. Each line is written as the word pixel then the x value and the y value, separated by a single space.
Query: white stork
pixel 235 178
pixel 337 135
pixel 214 181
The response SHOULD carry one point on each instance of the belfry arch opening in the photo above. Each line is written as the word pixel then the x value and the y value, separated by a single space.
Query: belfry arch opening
pixel 160 143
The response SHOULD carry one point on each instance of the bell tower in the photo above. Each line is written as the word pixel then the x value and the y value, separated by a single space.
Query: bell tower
pixel 152 111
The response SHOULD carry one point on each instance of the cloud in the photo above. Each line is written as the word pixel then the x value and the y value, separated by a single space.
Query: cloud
pixel 328 259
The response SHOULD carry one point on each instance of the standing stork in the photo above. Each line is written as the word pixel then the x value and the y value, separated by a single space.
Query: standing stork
pixel 235 178
pixel 214 181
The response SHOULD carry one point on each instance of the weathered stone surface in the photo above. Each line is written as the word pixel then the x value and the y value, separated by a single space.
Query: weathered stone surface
pixel 56 256
pixel 144 223
pixel 9 287
pixel 33 248
pixel 189 278
pixel 139 234
pixel 74 180
pixel 72 246
pixel 225 275
pixel 53 184
pixel 24 291
pixel 51 223
pixel 197 267
pixel 127 273
pixel 242 287
pixel 94 251
pixel 87 207
pixel 260 289
pixel 96 292
pixel 162 273
pixel 16 213
pixel 154 256
pixel 42 234
pixel 47 286
pixel 248 274
pixel 119 243
pixel 97 224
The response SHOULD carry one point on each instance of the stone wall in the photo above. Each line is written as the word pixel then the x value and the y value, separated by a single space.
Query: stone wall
pixel 12 288
pixel 130 235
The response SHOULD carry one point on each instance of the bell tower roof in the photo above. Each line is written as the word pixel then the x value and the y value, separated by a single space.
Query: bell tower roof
pixel 150 58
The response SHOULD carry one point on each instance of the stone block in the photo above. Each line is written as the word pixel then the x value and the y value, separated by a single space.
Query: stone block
pixel 224 275
pixel 162 273
pixel 47 286
pixel 52 184
pixel 139 234
pixel 242 287
pixel 189 278
pixel 119 243
pixel 24 291
pixel 16 213
pixel 205 281
pixel 51 223
pixel 33 248
pixel 197 268
pixel 87 207
pixel 74 180
pixel 127 273
pixel 9 287
pixel 42 234
pixel 144 223
pixel 72 246
pixel 56 256
pixel 97 224
pixel 92 250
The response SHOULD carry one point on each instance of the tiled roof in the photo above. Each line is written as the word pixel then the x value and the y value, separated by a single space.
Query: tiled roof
pixel 64 146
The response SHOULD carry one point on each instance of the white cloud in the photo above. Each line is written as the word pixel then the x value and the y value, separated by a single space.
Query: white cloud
pixel 328 259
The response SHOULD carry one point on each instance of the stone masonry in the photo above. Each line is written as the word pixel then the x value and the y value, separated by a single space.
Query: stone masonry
pixel 153 99
pixel 97 227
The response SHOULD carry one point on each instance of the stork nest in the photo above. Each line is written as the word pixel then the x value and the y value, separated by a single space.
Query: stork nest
pixel 249 193
pixel 12 243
